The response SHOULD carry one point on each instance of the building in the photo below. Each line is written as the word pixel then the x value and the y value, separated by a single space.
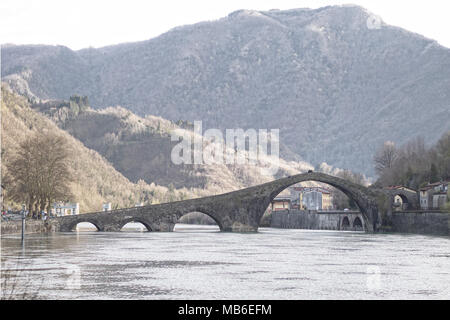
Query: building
pixel 327 200
pixel 439 200
pixel 312 198
pixel 65 209
pixel 295 202
pixel 426 197
pixel 434 195
pixel 281 203
pixel 439 186
pixel 400 188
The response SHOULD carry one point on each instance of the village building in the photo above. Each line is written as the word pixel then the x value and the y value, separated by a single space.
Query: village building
pixel 60 209
pixel 312 198
pixel 426 197
pixel 281 203
pixel 434 195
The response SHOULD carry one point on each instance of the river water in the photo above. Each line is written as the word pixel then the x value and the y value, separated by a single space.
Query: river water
pixel 201 263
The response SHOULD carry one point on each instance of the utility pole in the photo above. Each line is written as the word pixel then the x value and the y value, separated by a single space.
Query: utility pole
pixel 23 223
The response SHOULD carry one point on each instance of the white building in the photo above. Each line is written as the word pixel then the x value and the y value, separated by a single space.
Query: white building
pixel 434 195
pixel 65 209
pixel 311 198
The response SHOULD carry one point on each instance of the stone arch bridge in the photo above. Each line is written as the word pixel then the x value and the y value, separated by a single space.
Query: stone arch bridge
pixel 237 211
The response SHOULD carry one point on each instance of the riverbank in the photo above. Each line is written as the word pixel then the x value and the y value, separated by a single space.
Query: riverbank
pixel 432 223
pixel 425 223
pixel 31 226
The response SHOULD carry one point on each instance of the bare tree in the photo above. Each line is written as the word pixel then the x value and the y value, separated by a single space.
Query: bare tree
pixel 40 173
pixel 56 175
pixel 413 164
pixel 22 179
pixel 385 157
pixel 443 155
pixel 340 200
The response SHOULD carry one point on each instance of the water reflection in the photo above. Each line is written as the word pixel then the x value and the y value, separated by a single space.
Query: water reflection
pixel 201 263
pixel 180 227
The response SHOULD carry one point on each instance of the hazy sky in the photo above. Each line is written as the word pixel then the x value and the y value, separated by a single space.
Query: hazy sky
pixel 83 23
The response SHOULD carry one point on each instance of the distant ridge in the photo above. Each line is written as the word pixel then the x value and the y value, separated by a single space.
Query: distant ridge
pixel 336 85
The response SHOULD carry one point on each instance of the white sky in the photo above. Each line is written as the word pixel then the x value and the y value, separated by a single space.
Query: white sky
pixel 84 23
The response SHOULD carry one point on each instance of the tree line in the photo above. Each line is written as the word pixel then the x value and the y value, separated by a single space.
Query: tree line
pixel 413 164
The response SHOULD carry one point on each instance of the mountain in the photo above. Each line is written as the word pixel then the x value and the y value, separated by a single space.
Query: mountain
pixel 119 157
pixel 140 148
pixel 336 84
pixel 96 181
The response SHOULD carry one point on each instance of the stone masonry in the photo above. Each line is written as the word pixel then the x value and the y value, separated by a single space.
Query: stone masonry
pixel 237 211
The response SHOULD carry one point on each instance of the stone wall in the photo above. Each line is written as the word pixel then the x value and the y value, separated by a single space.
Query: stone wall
pixel 296 219
pixel 31 226
pixel 435 223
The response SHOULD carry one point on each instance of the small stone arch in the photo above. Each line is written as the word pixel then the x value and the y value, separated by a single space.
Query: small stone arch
pixel 196 216
pixel 95 223
pixel 141 221
pixel 410 199
pixel 203 211
pixel 345 223
pixel 357 224
pixel 404 205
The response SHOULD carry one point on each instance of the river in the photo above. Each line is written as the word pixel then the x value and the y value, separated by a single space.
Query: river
pixel 201 263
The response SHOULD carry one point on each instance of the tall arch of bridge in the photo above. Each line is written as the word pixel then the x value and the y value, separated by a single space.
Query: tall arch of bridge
pixel 237 211
pixel 364 198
